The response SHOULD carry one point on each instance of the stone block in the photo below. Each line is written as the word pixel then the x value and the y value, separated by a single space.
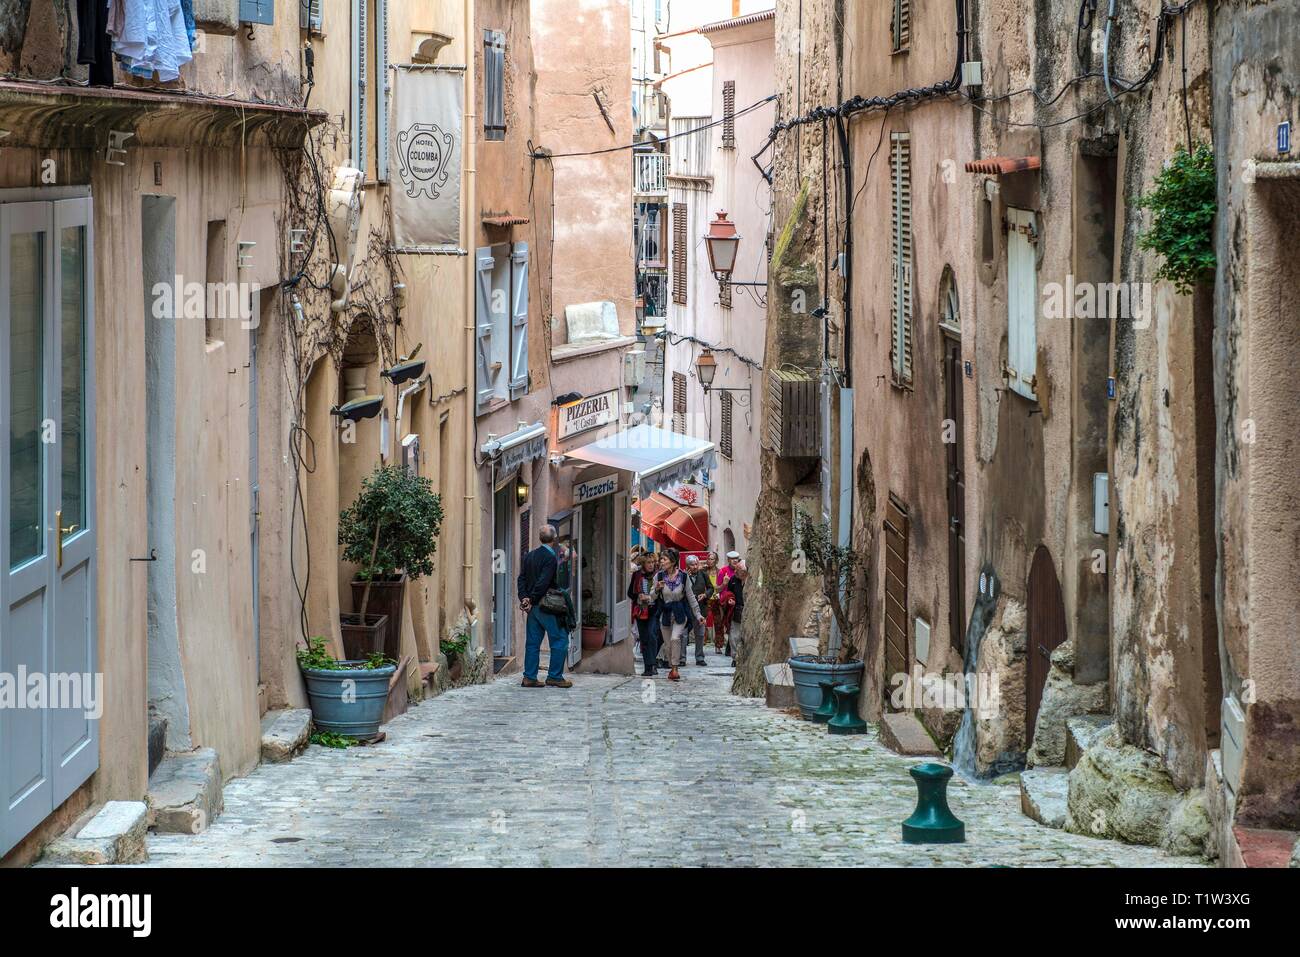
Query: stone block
pixel 1044 795
pixel 902 733
pixel 112 835
pixel 780 686
pixel 1062 700
pixel 1120 791
pixel 184 794
pixel 1080 732
pixel 285 734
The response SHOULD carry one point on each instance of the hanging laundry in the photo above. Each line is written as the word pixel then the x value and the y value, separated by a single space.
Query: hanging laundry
pixel 151 36
pixel 94 46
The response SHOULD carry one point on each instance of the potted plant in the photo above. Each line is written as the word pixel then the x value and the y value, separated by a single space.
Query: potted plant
pixel 347 697
pixel 595 625
pixel 391 533
pixel 840 569
pixel 454 647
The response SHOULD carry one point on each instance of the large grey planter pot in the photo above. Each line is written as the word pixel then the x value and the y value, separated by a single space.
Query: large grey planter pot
pixel 348 702
pixel 809 671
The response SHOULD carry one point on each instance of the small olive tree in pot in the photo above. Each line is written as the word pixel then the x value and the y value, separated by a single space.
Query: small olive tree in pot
pixel 840 568
pixel 391 533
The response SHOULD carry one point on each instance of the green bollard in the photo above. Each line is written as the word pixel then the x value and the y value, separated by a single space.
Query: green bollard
pixel 932 822
pixel 826 710
pixel 846 720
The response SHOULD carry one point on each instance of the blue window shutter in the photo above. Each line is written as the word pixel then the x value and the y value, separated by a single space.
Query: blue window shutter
pixel 257 11
pixel 484 374
pixel 519 321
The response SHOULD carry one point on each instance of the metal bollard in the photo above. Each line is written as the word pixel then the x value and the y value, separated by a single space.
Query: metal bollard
pixel 826 710
pixel 846 720
pixel 932 822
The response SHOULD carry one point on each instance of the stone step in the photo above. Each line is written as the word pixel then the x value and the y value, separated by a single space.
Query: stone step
pixel 285 734
pixel 780 686
pixel 113 834
pixel 184 794
pixel 157 739
pixel 1045 795
pixel 903 733
pixel 1080 732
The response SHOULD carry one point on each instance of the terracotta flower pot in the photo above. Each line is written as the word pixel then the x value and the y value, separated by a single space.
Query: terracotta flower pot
pixel 593 639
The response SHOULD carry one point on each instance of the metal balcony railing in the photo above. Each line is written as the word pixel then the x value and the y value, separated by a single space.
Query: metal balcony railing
pixel 650 174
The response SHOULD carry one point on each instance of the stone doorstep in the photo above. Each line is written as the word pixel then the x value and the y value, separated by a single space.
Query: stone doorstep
pixel 1045 795
pixel 1261 847
pixel 1080 732
pixel 903 733
pixel 112 834
pixel 285 734
pixel 780 686
pixel 184 794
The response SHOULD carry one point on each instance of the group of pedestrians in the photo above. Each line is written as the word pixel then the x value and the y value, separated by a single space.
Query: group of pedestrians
pixel 671 602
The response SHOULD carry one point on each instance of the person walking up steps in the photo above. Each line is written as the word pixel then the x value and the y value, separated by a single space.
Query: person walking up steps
pixel 680 610
pixel 547 607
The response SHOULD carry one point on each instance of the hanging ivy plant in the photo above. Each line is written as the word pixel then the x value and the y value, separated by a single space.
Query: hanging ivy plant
pixel 1183 205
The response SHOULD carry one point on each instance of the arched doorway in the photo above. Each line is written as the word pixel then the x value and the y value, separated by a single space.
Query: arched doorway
pixel 1046 620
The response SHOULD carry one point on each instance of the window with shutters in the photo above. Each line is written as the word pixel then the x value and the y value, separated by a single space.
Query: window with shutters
pixel 724 293
pixel 900 29
pixel 900 171
pixel 679 253
pixel 309 15
pixel 257 11
pixel 679 402
pixel 896 533
pixel 383 90
pixel 691 146
pixel 729 115
pixel 501 325
pixel 1022 299
pixel 724 435
pixel 525 533
pixel 494 85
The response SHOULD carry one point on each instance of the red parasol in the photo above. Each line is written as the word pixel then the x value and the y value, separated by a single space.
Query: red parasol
pixel 653 511
pixel 688 527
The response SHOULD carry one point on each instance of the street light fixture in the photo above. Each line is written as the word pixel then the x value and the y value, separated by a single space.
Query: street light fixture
pixel 723 243
pixel 706 367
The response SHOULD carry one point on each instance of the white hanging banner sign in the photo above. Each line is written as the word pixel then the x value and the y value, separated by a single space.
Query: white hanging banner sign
pixel 427 130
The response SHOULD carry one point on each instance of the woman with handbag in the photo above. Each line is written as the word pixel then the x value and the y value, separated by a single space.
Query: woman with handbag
pixel 680 610
pixel 641 592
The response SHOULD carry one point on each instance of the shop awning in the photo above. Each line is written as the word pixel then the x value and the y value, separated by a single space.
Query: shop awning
pixel 656 457
pixel 653 511
pixel 688 528
pixel 514 449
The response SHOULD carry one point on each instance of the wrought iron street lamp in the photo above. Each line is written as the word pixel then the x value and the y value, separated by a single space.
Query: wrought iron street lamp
pixel 723 243
pixel 706 367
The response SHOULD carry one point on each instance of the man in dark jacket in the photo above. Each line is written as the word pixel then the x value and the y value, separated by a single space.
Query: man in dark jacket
pixel 702 585
pixel 536 578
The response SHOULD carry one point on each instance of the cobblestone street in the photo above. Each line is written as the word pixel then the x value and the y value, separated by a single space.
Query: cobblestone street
pixel 614 771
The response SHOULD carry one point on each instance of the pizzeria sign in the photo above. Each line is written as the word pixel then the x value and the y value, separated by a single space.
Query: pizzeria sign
pixel 586 414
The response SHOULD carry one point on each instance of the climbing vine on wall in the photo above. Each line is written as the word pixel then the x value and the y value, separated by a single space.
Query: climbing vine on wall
pixel 1182 205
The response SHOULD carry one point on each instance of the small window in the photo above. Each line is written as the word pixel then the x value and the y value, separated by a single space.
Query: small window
pixel 494 98
pixel 724 436
pixel 729 115
pixel 1022 303
pixel 679 402
pixel 900 29
pixel 214 290
pixel 949 307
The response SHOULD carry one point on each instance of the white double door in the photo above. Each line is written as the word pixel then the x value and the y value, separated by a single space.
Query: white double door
pixel 48 747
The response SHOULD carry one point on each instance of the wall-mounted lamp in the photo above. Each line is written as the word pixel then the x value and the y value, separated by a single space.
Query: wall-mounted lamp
pixel 706 367
pixel 723 243
pixel 364 407
pixel 521 493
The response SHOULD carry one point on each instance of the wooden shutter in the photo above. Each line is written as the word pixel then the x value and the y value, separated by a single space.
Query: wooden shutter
pixel 494 99
pixel 679 402
pixel 383 90
pixel 729 115
pixel 519 320
pixel 901 26
pixel 309 15
pixel 900 345
pixel 257 11
pixel 485 365
pixel 525 533
pixel 724 437
pixel 1022 299
pixel 679 253
pixel 895 617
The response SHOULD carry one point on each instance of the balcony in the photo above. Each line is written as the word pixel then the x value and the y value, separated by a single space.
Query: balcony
pixel 650 174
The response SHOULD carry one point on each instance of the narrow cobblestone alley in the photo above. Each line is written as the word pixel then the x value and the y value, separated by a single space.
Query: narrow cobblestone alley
pixel 611 772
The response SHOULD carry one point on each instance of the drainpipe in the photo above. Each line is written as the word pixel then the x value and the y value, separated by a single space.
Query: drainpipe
pixel 470 551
